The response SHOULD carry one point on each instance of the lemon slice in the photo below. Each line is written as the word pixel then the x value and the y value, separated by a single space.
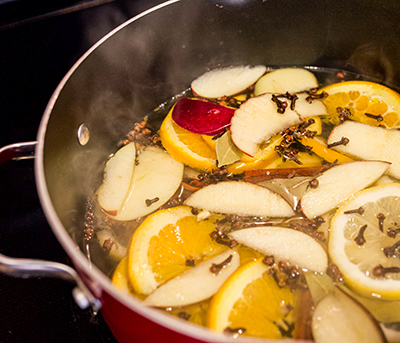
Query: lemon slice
pixel 164 243
pixel 362 97
pixel 187 147
pixel 250 301
pixel 357 252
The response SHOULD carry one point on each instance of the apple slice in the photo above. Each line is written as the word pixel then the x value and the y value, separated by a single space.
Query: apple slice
pixel 285 244
pixel 257 120
pixel 226 81
pixel 117 179
pixel 336 184
pixel 369 143
pixel 151 185
pixel 240 198
pixel 196 284
pixel 202 117
pixel 339 318
pixel 292 80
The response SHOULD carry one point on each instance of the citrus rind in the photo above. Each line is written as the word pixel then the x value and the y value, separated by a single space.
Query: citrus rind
pixel 187 147
pixel 339 240
pixel 364 97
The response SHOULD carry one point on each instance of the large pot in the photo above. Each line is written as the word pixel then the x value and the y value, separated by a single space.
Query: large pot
pixel 148 60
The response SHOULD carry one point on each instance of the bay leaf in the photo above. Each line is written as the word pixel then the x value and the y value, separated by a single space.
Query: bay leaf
pixel 227 152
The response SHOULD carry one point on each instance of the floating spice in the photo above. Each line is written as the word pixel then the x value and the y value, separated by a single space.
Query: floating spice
pixel 314 183
pixel 142 135
pixel 392 251
pixel 107 245
pixel 313 95
pixel 260 175
pixel 360 240
pixel 380 271
pixel 189 262
pixel 334 273
pixel 216 268
pixel 392 233
pixel 89 224
pixel 282 105
pixel 226 150
pixel 273 272
pixel 234 332
pixel 381 217
pixel 184 315
pixel 344 113
pixel 150 202
pixel 373 116
pixel 343 141
pixel 285 328
pixel 269 260
pixel 359 210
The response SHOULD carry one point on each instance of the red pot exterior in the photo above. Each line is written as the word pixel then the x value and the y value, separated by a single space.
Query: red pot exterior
pixel 130 327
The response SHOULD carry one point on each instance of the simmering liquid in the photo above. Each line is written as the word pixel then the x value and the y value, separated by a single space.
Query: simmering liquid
pixel 107 240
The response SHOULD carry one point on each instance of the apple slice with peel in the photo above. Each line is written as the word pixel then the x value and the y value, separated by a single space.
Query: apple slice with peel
pixel 196 284
pixel 285 244
pixel 340 318
pixel 150 186
pixel 292 80
pixel 336 184
pixel 226 81
pixel 240 198
pixel 257 120
pixel 117 179
pixel 202 117
pixel 368 143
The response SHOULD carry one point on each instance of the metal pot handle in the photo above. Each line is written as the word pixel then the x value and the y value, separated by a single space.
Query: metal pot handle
pixel 26 268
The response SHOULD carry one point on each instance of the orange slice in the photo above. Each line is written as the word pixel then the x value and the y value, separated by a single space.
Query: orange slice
pixel 365 100
pixel 251 301
pixel 164 243
pixel 187 147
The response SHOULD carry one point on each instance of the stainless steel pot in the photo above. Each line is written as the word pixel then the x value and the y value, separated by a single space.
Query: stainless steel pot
pixel 145 62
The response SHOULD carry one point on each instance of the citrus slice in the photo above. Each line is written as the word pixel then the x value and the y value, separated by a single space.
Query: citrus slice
pixel 187 147
pixel 365 100
pixel 120 276
pixel 319 147
pixel 250 301
pixel 166 244
pixel 364 246
pixel 264 157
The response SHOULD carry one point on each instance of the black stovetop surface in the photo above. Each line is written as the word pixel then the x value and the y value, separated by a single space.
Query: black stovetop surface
pixel 39 42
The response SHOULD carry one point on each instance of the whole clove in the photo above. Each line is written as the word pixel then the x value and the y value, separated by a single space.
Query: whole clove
pixel 360 239
pixel 216 268
pixel 381 217
pixel 359 210
pixel 392 251
pixel 374 116
pixel 150 202
pixel 343 141
pixel 380 271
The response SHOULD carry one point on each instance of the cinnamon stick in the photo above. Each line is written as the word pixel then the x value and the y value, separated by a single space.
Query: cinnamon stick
pixel 260 175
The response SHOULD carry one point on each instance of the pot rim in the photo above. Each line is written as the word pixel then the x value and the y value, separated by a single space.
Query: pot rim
pixel 102 282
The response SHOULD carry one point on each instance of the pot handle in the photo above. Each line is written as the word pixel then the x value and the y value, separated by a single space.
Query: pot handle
pixel 26 268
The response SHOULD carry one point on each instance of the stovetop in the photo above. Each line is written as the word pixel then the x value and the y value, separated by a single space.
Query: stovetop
pixel 38 45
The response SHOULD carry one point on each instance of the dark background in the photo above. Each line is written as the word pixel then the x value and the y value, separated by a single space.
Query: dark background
pixel 39 42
